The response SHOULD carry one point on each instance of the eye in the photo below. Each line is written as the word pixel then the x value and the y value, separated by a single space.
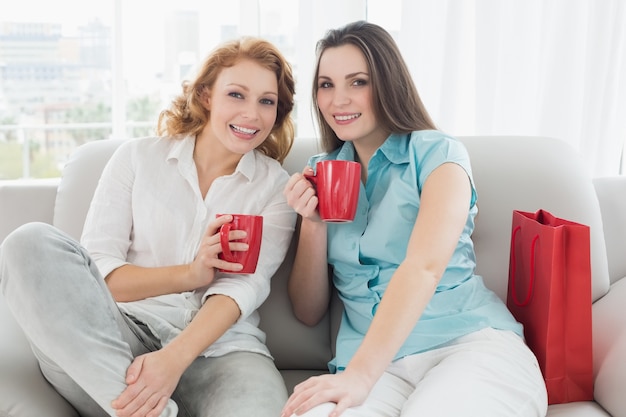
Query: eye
pixel 359 82
pixel 324 84
pixel 235 94
pixel 267 101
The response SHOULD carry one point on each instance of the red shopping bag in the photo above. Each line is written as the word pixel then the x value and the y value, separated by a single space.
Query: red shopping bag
pixel 550 294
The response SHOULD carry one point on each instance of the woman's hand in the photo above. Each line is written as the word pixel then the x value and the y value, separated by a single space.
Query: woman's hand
pixel 151 380
pixel 345 389
pixel 301 195
pixel 202 269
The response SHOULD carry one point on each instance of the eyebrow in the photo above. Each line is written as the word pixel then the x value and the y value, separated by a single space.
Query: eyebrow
pixel 243 87
pixel 348 76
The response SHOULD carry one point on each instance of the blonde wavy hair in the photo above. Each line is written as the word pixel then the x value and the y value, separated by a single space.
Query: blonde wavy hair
pixel 187 116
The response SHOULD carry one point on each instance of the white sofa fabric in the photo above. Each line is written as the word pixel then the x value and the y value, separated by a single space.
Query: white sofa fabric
pixel 523 173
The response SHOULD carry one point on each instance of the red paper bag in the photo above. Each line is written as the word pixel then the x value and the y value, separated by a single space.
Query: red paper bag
pixel 550 294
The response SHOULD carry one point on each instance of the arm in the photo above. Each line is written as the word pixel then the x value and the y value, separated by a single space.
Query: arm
pixel 216 315
pixel 445 200
pixel 131 282
pixel 154 376
pixel 308 286
pixel 442 216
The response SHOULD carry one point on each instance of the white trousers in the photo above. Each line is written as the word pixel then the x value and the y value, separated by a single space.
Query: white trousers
pixel 486 373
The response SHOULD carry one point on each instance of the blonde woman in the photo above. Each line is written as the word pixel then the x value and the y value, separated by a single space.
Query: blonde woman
pixel 137 320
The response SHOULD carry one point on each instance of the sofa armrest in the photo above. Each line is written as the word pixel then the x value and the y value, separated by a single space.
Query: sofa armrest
pixel 24 201
pixel 24 392
pixel 609 349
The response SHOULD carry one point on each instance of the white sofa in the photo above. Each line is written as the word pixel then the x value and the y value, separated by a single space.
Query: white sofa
pixel 525 173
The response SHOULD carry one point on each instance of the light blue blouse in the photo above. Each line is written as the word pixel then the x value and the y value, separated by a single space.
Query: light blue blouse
pixel 365 253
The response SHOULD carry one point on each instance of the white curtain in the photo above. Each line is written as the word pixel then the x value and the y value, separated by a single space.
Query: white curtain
pixel 534 67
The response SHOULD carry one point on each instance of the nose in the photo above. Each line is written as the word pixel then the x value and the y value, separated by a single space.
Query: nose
pixel 340 97
pixel 250 111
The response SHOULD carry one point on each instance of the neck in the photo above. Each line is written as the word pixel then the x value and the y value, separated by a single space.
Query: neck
pixel 364 149
pixel 210 156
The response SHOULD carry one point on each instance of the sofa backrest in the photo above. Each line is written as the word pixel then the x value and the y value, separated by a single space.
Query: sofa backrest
pixel 528 174
pixel 523 173
pixel 78 184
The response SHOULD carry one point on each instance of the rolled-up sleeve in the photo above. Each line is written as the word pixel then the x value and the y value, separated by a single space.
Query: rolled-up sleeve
pixel 250 291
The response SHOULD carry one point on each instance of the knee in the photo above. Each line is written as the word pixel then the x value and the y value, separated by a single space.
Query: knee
pixel 26 236
pixel 27 243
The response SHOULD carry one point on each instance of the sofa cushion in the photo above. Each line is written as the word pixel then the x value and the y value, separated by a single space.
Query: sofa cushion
pixel 293 344
pixel 609 327
pixel 576 409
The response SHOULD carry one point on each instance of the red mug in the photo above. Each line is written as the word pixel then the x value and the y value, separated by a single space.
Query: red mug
pixel 337 183
pixel 253 225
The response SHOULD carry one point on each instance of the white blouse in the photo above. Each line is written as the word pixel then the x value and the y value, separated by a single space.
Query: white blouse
pixel 148 211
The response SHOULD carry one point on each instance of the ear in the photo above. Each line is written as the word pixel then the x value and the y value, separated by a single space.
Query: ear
pixel 205 98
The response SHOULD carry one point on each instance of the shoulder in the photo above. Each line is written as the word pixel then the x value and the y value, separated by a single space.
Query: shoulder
pixel 151 149
pixel 425 140
pixel 151 144
pixel 138 146
pixel 430 149
pixel 433 147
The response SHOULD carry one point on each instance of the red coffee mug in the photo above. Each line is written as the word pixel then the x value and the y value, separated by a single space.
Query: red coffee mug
pixel 337 183
pixel 253 225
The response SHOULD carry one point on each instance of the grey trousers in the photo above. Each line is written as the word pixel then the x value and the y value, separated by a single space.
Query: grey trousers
pixel 85 344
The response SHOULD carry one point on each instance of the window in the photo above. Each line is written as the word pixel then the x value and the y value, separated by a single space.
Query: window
pixel 108 68
pixel 55 69
pixel 74 71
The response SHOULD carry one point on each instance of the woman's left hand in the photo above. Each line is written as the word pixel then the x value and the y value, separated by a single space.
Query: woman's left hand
pixel 207 259
pixel 151 380
pixel 345 389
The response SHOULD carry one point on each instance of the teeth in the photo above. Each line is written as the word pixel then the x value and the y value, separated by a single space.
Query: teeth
pixel 244 130
pixel 344 118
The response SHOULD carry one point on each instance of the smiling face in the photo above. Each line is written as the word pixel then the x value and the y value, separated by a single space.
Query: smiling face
pixel 344 95
pixel 242 105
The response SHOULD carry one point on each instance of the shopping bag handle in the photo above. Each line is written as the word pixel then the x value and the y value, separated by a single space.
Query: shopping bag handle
pixel 531 284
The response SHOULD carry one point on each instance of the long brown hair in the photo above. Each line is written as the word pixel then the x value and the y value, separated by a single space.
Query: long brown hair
pixel 187 116
pixel 396 102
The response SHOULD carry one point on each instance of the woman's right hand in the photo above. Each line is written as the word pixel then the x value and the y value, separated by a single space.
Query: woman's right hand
pixel 301 195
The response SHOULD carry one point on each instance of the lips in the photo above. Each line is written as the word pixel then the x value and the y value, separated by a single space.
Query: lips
pixel 244 130
pixel 346 117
